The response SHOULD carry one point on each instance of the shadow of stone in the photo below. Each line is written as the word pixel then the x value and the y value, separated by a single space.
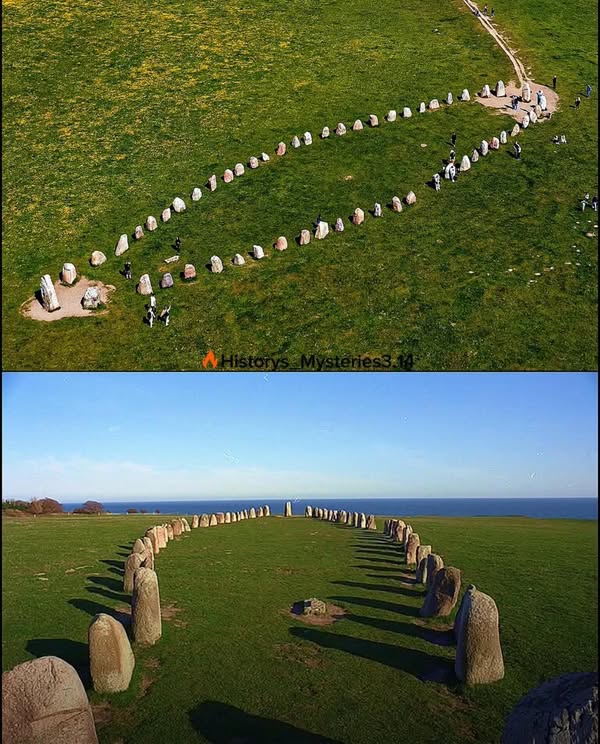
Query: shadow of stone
pixel 377 604
pixel 220 723
pixel 73 652
pixel 378 587
pixel 94 608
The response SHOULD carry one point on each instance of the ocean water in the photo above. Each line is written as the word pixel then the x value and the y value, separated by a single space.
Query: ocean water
pixel 557 508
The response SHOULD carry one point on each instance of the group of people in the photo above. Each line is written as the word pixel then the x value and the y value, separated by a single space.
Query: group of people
pixel 491 14
pixel 585 202
pixel 559 140
pixel 588 93
pixel 151 314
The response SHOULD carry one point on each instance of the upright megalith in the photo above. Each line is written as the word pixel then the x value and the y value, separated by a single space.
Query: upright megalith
pixel 196 194
pixel 408 530
pixel 145 607
pixel 421 560
pixel 144 286
pixel 475 155
pixel 396 204
pixel 68 273
pixel 195 521
pixel 260 512
pixel 503 137
pixel 212 522
pixel 442 594
pixel 267 510
pixel 234 517
pixel 211 184
pixel 434 104
pixel 465 164
pixel 340 130
pixel 563 710
pixel 281 243
pixel 216 265
pixel 371 524
pixel 204 520
pixel 178 205
pixel 148 561
pixel 227 517
pixel 281 149
pixel 321 230
pixel 165 215
pixel 220 517
pixel 152 535
pixel 500 89
pixel 170 533
pixel 186 525
pixel 132 563
pixel 362 521
pixel 355 519
pixel 373 120
pixel 449 99
pixel 97 258
pixel 484 147
pixel 406 112
pixel 111 658
pixel 122 245
pixel 411 548
pixel 410 198
pixel 138 546
pixel 526 93
pixel 43 702
pixel 252 513
pixel 422 107
pixel 308 511
pixel 304 238
pixel 358 217
pixel 151 223
pixel 48 296
pixel 357 126
pixel 435 562
pixel 288 509
pixel 465 96
pixel 391 115
pixel 478 651
pixel 162 536
pixel 177 527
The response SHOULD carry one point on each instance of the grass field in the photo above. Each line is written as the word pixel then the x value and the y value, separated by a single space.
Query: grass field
pixel 231 662
pixel 111 112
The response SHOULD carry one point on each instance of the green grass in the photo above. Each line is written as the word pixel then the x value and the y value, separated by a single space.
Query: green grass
pixel 231 662
pixel 110 113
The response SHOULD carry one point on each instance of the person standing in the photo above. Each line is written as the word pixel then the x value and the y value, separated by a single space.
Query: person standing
pixel 588 90
pixel 493 13
pixel 150 316
pixel 583 205
pixel 453 138
pixel 485 9
pixel 177 243
pixel 554 83
pixel 517 149
pixel 577 102
pixel 595 203
pixel 127 270
pixel 437 181
pixel 452 157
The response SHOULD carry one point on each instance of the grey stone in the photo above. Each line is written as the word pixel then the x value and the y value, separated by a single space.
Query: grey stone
pixel 90 299
pixel 216 265
pixel 98 258
pixel 166 281
pixel 151 223
pixel 122 245
pixel 178 205
pixel 144 286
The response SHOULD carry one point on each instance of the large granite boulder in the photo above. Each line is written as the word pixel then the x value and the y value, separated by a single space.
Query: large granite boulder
pixel 434 104
pixel 396 204
pixel 97 258
pixel 178 205
pixel 526 93
pixel 238 260
pixel 212 183
pixel 465 164
pixel 358 217
pixel 406 112
pixel 421 560
pixel 500 89
pixel 357 126
pixel 391 115
pixel 281 149
pixel 111 658
pixel 165 215
pixel 340 129
pixel 478 652
pixel 304 238
pixel 258 252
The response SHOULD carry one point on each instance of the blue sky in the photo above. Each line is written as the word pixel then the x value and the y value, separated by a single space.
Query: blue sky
pixel 115 437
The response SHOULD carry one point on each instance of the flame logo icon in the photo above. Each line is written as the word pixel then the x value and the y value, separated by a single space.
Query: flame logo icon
pixel 211 359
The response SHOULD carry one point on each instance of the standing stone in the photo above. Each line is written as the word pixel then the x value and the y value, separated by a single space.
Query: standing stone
pixel 478 652
pixel 195 521
pixel 253 163
pixel 151 223
pixel 373 120
pixel 186 525
pixel 44 702
pixel 296 142
pixel 494 143
pixel 238 260
pixel 485 92
pixel 500 89
pixel 515 130
pixel 138 233
pixel 435 562
pixel 526 93
pixel 48 294
pixel 563 710
pixel 234 517
pixel 111 658
pixel 267 511
pixel 204 520
pixel 165 215
pixel 422 107
pixel 216 265
pixel 533 117
pixel 264 157
pixel 227 517
pixel 406 112
pixel 525 122
pixel 377 210
pixel 308 512
pixel 411 548
pixel 97 258
pixel 196 194
pixel 152 536
pixel 133 562
pixel 357 126
pixel 442 594
pixel 288 509
pixel 322 230
pixel 475 156
pixel 324 132
pixel 252 513
pixel 245 513
pixel 434 104
pixel 258 252
pixel 461 609
pixel 339 225
pixel 281 149
pixel 170 533
pixel 371 525
pixel 421 560
pixel 484 147
pixel 307 138
pixel 503 137
pixel 177 528
pixel 340 129
pixel 465 164
pixel 178 205
pixel 228 176
pixel 410 198
pixel 239 169
pixel 358 217
pixel 396 204
pixel 189 271
pixel 212 522
pixel 464 96
pixel 145 608
pixel 304 237
pixel 166 281
pixel 449 99
pixel 144 286
pixel 122 245
pixel 391 115
pixel 68 273
pixel 212 183
pixel 281 243
pixel 139 547
pixel 259 512
pixel 408 530
pixel 220 517
pixel 362 521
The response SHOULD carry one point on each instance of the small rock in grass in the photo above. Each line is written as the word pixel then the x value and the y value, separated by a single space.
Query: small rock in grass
pixel 410 198
pixel 264 157
pixel 212 183
pixel 139 232
pixel 304 237
pixel 238 260
pixel 465 164
pixel 178 205
pixel 97 258
pixel 324 132
pixel 500 89
pixel 422 107
pixel 239 169
pixel 377 210
pixel 253 163
pixel 339 225
pixel 358 217
pixel 465 96
pixel 90 299
pixel 228 176
pixel 357 126
pixel 296 142
pixel 216 265
pixel 189 271
pixel 281 243
pixel 340 129
pixel 406 112
pixel 391 115
pixel 166 214
pixel 449 99
pixel 196 194
pixel 281 149
pixel 396 204
pixel 475 156
pixel 258 252
pixel 373 120
pixel 434 104
pixel 307 138
pixel 151 223
pixel 144 286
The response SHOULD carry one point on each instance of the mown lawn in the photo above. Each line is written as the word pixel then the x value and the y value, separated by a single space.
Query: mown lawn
pixel 109 113
pixel 232 662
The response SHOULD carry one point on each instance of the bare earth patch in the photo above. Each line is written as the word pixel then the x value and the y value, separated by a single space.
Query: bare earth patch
pixel 309 655
pixel 333 614
pixel 70 301
pixel 502 105
pixel 170 613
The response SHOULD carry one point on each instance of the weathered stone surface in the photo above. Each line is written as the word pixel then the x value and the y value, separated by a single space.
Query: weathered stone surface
pixel 371 524
pixel 362 521
pixel 449 99
pixel 177 527
pixel 68 273
pixel 178 205
pixel 478 651
pixel 503 137
pixel 533 117
pixel 264 157
pixel 260 512
pixel 144 286
pixel 145 608
pixel 421 560
pixel 396 204
pixel 373 120
pixel 296 142
pixel 234 517
pixel 339 225
pixel 166 281
pixel 307 137
pixel 474 156
pixel 563 710
pixel 358 217
pixel 410 198
pixel 253 163
pixel 151 542
pixel 500 89
pixel 239 169
pixel 138 233
pixel 357 126
pixel 525 121
pixel 308 511
pixel 139 547
pixel 377 210
pixel 281 243
pixel 465 164
pixel 325 132
pixel 443 593
pixel 314 606
pixel 465 96
pixel 216 265
pixel 196 194
pixel 267 510
pixel 391 115
pixel 111 657
pixel 422 107
pixel 258 252
pixel 252 513
pixel 189 271
pixel 484 147
pixel 288 509
pixel 434 104
pixel 44 702
pixel 220 517
pixel 212 183
pixel 165 215
pixel 322 230
pixel 186 524
pixel 408 530
pixel 411 548
pixel 122 245
pixel 526 93
pixel 238 260
pixel 151 223
pixel 281 149
pixel 406 112
pixel 494 143
pixel 304 237
pixel 434 563
pixel 97 258
pixel 340 129
pixel 163 538
pixel 485 92
pixel 461 609
pixel 195 521
pixel 170 533
pixel 132 563
pixel 228 176
pixel 204 520
pixel 90 299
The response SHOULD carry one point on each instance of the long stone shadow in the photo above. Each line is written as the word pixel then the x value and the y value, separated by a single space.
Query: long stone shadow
pixel 107 582
pixel 73 652
pixel 94 608
pixel 117 567
pixel 439 637
pixel 383 569
pixel 379 560
pixel 420 664
pixel 378 588
pixel 221 723
pixel 377 604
